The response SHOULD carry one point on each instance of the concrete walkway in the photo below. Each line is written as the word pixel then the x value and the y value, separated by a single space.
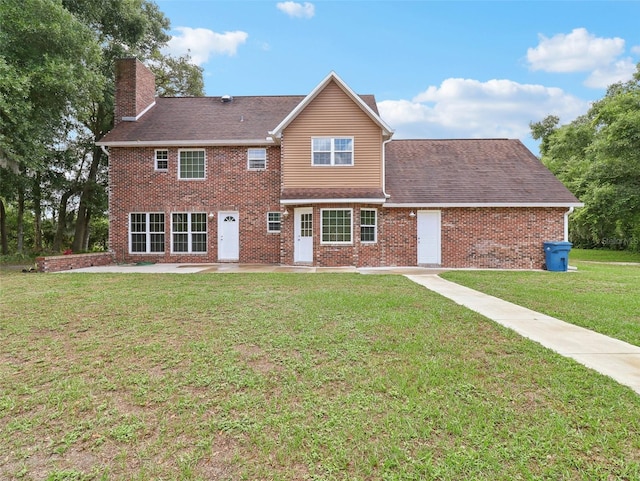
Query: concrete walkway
pixel 230 268
pixel 611 357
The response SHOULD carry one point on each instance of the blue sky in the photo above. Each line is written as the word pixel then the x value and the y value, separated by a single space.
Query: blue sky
pixel 454 69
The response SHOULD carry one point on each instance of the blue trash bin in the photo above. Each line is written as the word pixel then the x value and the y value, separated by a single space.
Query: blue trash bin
pixel 557 256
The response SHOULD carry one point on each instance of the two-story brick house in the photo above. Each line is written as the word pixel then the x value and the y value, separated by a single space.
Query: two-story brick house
pixel 315 180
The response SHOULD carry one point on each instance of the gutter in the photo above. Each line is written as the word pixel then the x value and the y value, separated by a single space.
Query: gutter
pixel 186 143
pixel 445 205
pixel 332 201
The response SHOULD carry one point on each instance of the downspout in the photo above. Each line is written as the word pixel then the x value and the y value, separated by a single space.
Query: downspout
pixel 566 223
pixel 384 168
pixel 105 149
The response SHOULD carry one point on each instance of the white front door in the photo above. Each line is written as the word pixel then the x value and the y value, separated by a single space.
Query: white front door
pixel 228 236
pixel 429 250
pixel 303 235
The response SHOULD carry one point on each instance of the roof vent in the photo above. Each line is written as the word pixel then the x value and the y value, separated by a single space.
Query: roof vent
pixel 226 99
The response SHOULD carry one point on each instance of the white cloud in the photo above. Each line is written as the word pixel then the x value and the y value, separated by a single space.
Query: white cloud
pixel 465 108
pixel 299 10
pixel 636 49
pixel 620 71
pixel 577 51
pixel 201 43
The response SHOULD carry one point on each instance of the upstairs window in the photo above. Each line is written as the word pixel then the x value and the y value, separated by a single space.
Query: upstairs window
pixel 368 225
pixel 162 160
pixel 332 150
pixel 191 164
pixel 257 159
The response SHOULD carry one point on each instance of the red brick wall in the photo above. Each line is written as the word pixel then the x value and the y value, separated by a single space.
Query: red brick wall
pixel 136 187
pixel 73 261
pixel 135 88
pixel 506 238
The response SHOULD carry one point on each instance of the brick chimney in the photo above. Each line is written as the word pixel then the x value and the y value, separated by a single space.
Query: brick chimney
pixel 135 89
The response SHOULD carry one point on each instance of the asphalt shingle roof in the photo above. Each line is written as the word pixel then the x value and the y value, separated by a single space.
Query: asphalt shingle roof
pixel 192 119
pixel 469 171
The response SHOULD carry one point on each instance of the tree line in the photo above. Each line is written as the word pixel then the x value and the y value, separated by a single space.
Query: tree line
pixel 597 156
pixel 56 99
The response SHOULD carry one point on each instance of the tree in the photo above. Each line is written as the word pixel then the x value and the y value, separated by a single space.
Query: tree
pixel 176 76
pixel 56 100
pixel 47 73
pixel 124 28
pixel 598 157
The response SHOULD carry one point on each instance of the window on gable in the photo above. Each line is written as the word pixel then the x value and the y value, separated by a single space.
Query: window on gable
pixel 191 164
pixel 256 159
pixel 162 160
pixel 332 150
pixel 273 221
pixel 368 225
pixel 189 232
pixel 146 232
pixel 336 226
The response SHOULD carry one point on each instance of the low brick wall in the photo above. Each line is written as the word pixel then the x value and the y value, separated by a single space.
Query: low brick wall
pixel 74 261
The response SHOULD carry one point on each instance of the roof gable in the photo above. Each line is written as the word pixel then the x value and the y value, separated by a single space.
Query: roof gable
pixel 357 99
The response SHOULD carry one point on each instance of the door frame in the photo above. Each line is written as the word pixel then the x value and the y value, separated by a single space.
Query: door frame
pixel 221 216
pixel 297 252
pixel 422 255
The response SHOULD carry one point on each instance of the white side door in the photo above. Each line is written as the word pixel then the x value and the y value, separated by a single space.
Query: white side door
pixel 228 236
pixel 429 238
pixel 303 235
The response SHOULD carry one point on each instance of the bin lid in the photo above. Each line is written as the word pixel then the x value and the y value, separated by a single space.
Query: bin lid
pixel 557 244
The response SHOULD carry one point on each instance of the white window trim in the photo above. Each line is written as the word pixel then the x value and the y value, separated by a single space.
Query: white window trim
pixel 190 233
pixel 343 243
pixel 269 231
pixel 375 226
pixel 249 159
pixel 155 160
pixel 180 161
pixel 148 233
pixel 333 152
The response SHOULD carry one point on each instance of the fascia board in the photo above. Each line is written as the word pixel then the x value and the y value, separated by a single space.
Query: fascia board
pixel 483 204
pixel 185 143
pixel 331 201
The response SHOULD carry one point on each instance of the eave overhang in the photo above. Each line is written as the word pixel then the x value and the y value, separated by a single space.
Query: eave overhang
pixel 443 205
pixel 186 143
pixel 303 201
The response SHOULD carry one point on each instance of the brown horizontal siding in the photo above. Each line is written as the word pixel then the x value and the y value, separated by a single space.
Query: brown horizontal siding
pixel 332 114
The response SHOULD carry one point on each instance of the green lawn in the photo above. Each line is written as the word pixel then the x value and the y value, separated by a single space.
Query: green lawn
pixel 602 255
pixel 289 376
pixel 601 296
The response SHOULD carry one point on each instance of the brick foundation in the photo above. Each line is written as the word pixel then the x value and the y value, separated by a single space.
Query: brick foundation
pixel 73 261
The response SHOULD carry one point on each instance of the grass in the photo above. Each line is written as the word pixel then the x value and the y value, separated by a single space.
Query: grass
pixel 603 255
pixel 599 296
pixel 289 376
